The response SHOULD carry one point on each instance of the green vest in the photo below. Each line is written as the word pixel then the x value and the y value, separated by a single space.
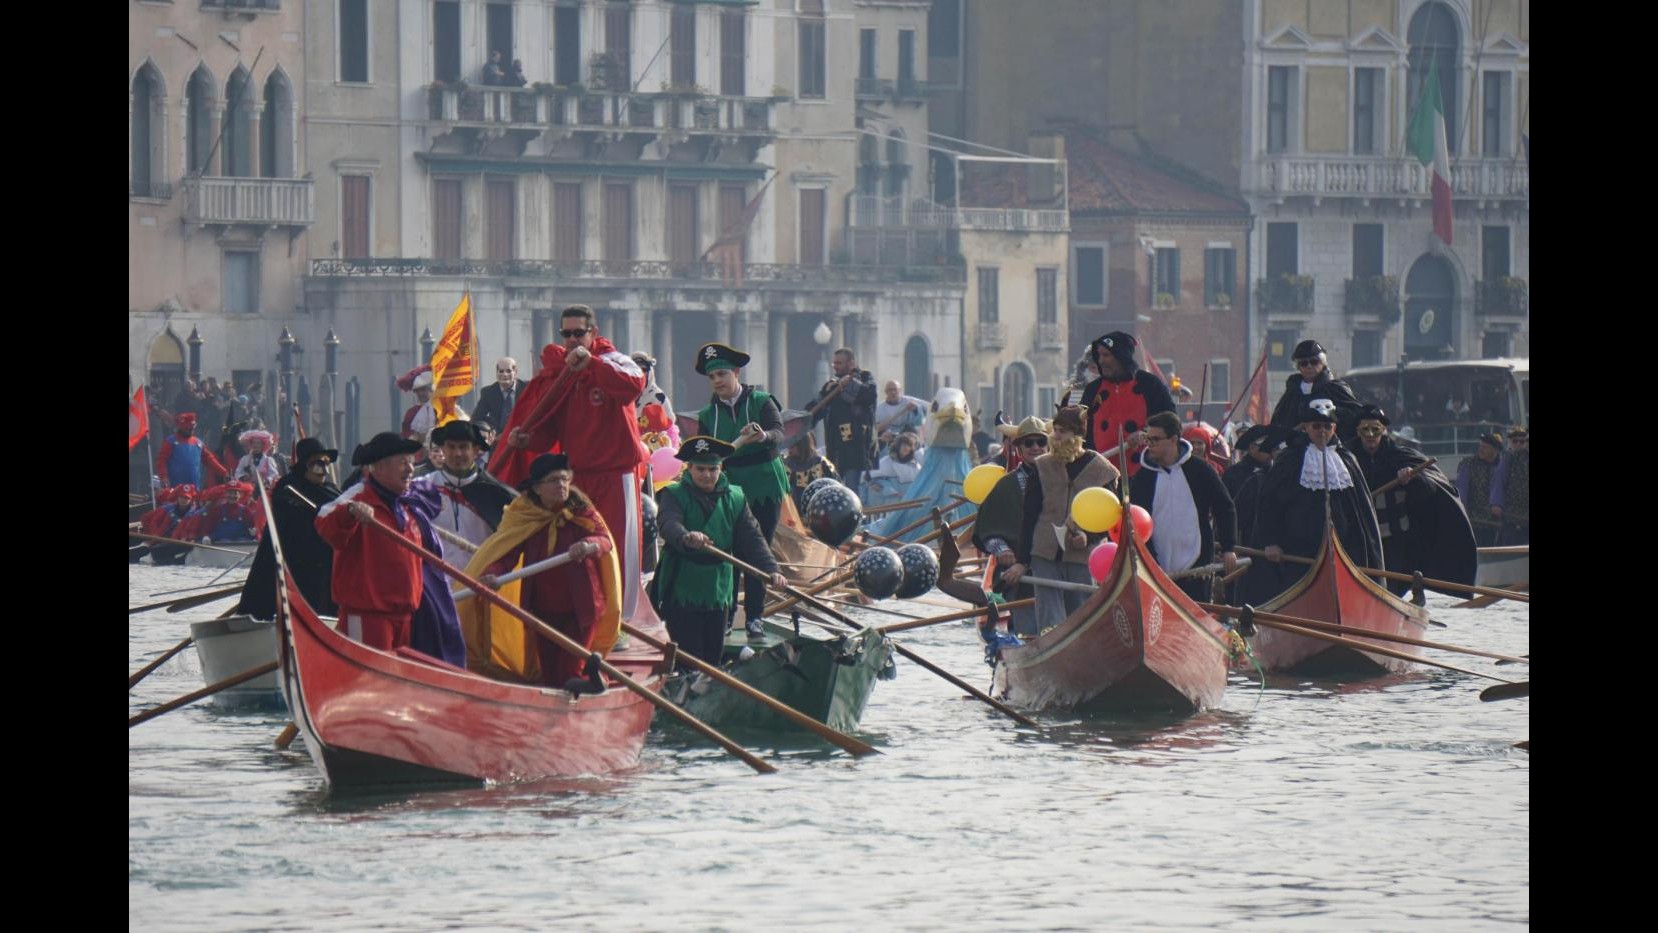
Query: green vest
pixel 699 580
pixel 755 469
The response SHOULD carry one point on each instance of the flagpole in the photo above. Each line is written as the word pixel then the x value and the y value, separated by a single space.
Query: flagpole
pixel 149 457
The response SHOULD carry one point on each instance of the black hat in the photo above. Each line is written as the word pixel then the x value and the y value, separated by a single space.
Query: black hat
pixel 459 430
pixel 1494 439
pixel 1276 437
pixel 541 466
pixel 704 449
pixel 1307 350
pixel 1518 432
pixel 1256 433
pixel 717 356
pixel 1373 413
pixel 308 448
pixel 1119 344
pixel 382 445
pixel 1318 410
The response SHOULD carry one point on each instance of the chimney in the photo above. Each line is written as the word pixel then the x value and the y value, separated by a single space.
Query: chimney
pixel 1047 182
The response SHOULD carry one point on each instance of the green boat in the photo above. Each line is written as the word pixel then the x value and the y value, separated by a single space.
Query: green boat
pixel 825 675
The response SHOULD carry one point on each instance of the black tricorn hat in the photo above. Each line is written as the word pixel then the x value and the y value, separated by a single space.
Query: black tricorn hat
pixel 459 430
pixel 541 466
pixel 1373 413
pixel 1306 350
pixel 1256 434
pixel 309 447
pixel 704 449
pixel 382 445
pixel 719 356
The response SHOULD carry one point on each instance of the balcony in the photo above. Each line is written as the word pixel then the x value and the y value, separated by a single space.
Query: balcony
pixel 872 211
pixel 160 190
pixel 911 90
pixel 243 6
pixel 1286 294
pixel 1502 179
pixel 1506 295
pixel 546 106
pixel 1377 294
pixel 992 335
pixel 267 202
pixel 875 88
pixel 641 270
pixel 1049 336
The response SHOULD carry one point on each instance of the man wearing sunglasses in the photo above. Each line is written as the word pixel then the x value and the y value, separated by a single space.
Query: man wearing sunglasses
pixel 996 529
pixel 309 558
pixel 1313 380
pixel 1422 521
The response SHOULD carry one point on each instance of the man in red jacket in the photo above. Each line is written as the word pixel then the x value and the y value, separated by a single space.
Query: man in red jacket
pixel 583 401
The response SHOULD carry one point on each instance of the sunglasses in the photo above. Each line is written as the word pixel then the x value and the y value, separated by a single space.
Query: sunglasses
pixel 321 461
pixel 1034 442
pixel 1303 364
pixel 568 334
pixel 1371 432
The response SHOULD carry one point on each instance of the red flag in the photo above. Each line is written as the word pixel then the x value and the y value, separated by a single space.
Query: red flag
pixel 1152 367
pixel 138 419
pixel 1259 410
pixel 729 247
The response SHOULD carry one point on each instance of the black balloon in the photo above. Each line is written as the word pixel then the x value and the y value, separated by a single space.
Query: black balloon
pixel 878 572
pixel 814 487
pixel 920 570
pixel 834 515
pixel 647 508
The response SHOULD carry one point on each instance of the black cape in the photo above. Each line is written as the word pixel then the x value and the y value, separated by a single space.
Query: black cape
pixel 1292 517
pixel 1422 522
pixel 309 558
pixel 1001 515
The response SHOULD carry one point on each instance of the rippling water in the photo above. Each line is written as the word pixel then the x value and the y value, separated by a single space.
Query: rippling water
pixel 1390 804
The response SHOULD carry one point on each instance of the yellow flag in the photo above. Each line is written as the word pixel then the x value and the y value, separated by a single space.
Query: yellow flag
pixel 454 361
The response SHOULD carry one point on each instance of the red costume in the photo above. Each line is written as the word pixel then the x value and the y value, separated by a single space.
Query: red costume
pixel 376 583
pixel 1214 445
pixel 569 598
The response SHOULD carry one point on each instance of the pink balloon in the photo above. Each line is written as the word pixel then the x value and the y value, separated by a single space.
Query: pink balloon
pixel 1142 523
pixel 1099 561
pixel 664 466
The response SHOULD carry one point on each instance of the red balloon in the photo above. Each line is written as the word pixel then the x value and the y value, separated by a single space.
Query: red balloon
pixel 1142 523
pixel 1099 560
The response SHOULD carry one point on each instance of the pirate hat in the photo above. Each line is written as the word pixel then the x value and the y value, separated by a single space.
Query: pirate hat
pixel 704 449
pixel 712 357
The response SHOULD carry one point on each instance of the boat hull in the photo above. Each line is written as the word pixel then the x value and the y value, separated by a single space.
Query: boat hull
pixel 227 647
pixel 1334 591
pixel 202 557
pixel 375 720
pixel 1138 644
pixel 1504 566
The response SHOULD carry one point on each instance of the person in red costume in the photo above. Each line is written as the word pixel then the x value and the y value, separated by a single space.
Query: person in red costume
pixel 1121 399
pixel 1208 445
pixel 582 402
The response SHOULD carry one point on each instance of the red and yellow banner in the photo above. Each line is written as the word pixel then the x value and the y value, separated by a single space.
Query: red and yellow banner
pixel 454 361
pixel 138 418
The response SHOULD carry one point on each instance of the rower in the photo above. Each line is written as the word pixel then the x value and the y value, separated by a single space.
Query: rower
pixel 1423 526
pixel 1191 514
pixel 472 499
pixel 1002 514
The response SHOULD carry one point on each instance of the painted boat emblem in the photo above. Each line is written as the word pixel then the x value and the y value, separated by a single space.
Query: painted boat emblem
pixel 1154 620
pixel 1119 618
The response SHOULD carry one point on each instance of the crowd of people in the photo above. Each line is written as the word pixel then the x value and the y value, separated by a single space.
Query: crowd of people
pixel 561 465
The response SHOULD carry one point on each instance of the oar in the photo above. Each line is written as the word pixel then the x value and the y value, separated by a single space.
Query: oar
pixel 1506 691
pixel 226 572
pixel 1060 584
pixel 146 669
pixel 557 560
pixel 571 646
pixel 185 589
pixel 160 540
pixel 835 614
pixel 953 616
pixel 850 604
pixel 822 730
pixel 1207 570
pixel 1399 480
pixel 188 602
pixel 1480 602
pixel 845 572
pixel 1351 632
pixel 893 507
pixel 1366 647
pixel 208 690
pixel 1405 577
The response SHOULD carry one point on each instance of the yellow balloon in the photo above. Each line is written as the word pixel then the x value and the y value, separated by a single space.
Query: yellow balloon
pixel 980 480
pixel 1096 509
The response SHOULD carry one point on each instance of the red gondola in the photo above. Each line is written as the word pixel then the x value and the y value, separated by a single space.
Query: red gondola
pixel 1333 590
pixel 1139 643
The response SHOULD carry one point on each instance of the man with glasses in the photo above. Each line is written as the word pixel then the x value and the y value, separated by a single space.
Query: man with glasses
pixel 1190 509
pixel 1290 518
pixel 294 501
pixel 1002 514
pixel 1422 522
pixel 1511 493
pixel 583 400
pixel 1313 380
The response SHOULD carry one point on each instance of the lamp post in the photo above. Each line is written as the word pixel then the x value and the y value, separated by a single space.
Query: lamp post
pixel 330 386
pixel 195 342
pixel 427 342
pixel 286 358
pixel 822 335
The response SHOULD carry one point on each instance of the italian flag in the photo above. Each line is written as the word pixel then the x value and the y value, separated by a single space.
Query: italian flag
pixel 1427 143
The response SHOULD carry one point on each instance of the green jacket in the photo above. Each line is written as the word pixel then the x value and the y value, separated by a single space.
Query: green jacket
pixel 755 468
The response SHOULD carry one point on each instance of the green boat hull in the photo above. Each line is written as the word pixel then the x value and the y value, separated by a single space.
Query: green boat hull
pixel 827 678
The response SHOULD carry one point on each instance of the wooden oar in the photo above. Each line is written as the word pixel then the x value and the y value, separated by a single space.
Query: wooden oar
pixel 1507 549
pixel 160 540
pixel 208 690
pixel 187 602
pixel 1367 647
pixel 186 589
pixel 557 560
pixel 226 572
pixel 1480 602
pixel 856 626
pixel 1351 632
pixel 571 646
pixel 1506 691
pixel 953 616
pixel 821 730
pixel 1207 570
pixel 845 572
pixel 893 507
pixel 1060 584
pixel 144 671
pixel 849 603
pixel 1391 484
pixel 1405 577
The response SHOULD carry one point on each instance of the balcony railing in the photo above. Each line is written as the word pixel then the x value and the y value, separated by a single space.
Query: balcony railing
pixel 262 201
pixel 1286 294
pixel 533 107
pixel 875 88
pixel 149 189
pixel 913 89
pixel 872 211
pixel 1376 294
pixel 992 335
pixel 1380 177
pixel 1507 295
pixel 1049 336
pixel 267 6
pixel 712 273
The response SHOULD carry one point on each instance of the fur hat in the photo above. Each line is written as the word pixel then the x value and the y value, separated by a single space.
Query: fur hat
pixel 1070 418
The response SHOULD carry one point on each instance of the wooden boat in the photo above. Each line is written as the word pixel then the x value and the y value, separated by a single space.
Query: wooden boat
pixel 377 720
pixel 227 647
pixel 827 676
pixel 209 557
pixel 1504 566
pixel 1334 591
pixel 1138 644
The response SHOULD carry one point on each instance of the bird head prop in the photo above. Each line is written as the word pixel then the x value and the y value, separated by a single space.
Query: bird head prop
pixel 949 423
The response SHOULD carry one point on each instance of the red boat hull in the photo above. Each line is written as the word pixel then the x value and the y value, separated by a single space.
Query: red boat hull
pixel 378 720
pixel 1334 591
pixel 1140 643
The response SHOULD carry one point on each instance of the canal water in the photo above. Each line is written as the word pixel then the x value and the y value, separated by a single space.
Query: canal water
pixel 1391 804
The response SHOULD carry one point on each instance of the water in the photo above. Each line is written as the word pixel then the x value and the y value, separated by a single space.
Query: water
pixel 1387 805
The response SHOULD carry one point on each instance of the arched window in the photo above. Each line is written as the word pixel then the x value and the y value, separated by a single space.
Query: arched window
pixel 276 128
pixel 198 120
pixel 897 170
pixel 1016 391
pixel 1435 42
pixel 1430 302
pixel 918 367
pixel 149 121
pixel 238 136
pixel 166 368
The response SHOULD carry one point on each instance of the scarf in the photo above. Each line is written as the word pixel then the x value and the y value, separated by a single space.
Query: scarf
pixel 1324 469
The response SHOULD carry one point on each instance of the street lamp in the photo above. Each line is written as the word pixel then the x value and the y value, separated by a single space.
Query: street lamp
pixel 823 335
pixel 195 342
pixel 286 342
pixel 427 342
